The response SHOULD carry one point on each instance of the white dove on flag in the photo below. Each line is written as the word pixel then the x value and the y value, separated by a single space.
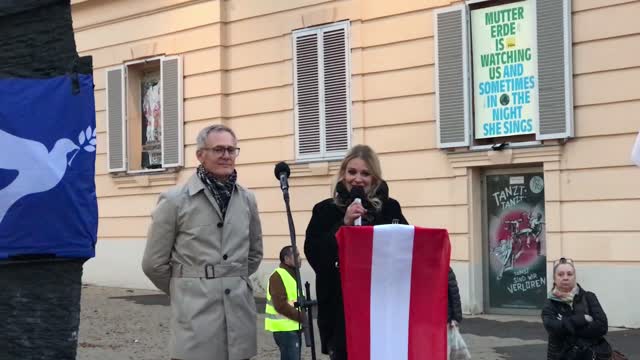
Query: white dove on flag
pixel 38 169
pixel 635 153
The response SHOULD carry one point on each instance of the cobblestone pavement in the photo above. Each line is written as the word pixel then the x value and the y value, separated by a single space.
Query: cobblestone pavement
pixel 123 324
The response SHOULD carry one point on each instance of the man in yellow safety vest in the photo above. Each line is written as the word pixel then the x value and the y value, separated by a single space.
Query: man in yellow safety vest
pixel 281 317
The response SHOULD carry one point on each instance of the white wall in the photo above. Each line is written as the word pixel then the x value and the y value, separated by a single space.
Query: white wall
pixel 616 286
pixel 118 263
pixel 461 269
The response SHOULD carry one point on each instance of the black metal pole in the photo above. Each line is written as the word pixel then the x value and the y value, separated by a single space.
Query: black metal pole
pixel 302 303
pixel 310 319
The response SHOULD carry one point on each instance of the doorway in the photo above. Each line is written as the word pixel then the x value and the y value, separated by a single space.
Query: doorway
pixel 514 241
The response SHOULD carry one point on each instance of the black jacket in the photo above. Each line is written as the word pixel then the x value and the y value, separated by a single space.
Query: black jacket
pixel 567 325
pixel 321 250
pixel 453 299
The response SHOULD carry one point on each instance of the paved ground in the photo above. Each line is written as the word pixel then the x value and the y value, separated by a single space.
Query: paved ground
pixel 122 324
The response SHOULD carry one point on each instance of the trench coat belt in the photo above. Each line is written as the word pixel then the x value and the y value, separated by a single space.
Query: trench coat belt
pixel 209 271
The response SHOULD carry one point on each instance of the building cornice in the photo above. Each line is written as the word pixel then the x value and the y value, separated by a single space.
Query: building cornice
pixel 130 16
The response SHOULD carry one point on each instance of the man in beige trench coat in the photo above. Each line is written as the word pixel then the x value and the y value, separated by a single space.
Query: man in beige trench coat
pixel 204 241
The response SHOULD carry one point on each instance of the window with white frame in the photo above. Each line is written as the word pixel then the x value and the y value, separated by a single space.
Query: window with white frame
pixel 322 82
pixel 144 115
pixel 503 73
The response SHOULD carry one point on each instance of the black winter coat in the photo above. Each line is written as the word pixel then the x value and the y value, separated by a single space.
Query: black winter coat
pixel 454 311
pixel 567 325
pixel 321 250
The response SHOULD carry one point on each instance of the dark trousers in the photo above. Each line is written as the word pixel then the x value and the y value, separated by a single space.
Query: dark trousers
pixel 289 344
pixel 338 352
pixel 338 341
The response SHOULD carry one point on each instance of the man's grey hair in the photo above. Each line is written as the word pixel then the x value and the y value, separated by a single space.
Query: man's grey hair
pixel 201 140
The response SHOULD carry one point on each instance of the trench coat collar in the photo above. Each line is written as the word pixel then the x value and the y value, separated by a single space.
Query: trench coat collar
pixel 195 185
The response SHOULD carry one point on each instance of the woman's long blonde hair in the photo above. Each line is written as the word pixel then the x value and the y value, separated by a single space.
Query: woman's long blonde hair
pixel 366 154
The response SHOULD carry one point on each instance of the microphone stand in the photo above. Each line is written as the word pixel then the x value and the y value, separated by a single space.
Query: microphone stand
pixel 303 304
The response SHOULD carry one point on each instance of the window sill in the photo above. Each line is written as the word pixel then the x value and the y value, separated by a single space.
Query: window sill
pixel 513 155
pixel 315 168
pixel 332 158
pixel 146 178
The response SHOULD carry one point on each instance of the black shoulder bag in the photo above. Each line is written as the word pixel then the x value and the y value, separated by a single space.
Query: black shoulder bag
pixel 602 350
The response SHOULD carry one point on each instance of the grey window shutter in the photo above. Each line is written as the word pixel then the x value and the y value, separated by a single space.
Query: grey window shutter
pixel 555 73
pixel 337 99
pixel 322 77
pixel 171 88
pixel 307 94
pixel 452 77
pixel 116 118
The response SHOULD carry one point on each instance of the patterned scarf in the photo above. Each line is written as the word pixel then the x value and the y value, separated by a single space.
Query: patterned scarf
pixel 567 298
pixel 221 190
pixel 343 199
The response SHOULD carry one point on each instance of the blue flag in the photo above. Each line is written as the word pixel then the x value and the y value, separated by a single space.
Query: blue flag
pixel 48 202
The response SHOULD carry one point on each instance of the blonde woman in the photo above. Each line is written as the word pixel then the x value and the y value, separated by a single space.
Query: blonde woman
pixel 574 319
pixel 360 168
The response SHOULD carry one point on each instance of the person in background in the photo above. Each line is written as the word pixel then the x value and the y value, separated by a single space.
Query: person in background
pixel 454 305
pixel 573 318
pixel 281 317
pixel 204 241
pixel 456 346
pixel 359 168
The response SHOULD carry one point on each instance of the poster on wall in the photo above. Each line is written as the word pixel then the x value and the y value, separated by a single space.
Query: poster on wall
pixel 516 241
pixel 151 121
pixel 505 70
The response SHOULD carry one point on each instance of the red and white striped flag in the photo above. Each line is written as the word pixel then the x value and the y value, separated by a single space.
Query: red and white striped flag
pixel 394 285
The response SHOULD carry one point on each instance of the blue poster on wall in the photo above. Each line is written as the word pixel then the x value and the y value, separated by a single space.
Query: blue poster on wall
pixel 48 204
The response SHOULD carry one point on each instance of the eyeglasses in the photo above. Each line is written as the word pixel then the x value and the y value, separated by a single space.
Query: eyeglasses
pixel 221 150
pixel 563 260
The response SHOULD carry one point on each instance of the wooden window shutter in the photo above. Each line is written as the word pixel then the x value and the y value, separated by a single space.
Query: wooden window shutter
pixel 322 91
pixel 307 95
pixel 452 77
pixel 555 73
pixel 171 88
pixel 337 99
pixel 116 119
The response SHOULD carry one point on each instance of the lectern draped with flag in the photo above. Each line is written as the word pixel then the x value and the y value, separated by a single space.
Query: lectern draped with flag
pixel 394 284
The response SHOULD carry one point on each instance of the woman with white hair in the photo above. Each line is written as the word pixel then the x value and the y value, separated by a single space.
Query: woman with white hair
pixel 574 319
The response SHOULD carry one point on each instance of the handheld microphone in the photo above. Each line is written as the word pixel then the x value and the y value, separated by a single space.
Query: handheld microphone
pixel 282 172
pixel 357 194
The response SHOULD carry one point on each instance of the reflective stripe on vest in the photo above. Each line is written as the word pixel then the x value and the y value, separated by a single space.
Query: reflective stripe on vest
pixel 273 320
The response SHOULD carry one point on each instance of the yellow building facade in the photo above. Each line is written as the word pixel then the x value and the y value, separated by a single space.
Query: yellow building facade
pixel 239 62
